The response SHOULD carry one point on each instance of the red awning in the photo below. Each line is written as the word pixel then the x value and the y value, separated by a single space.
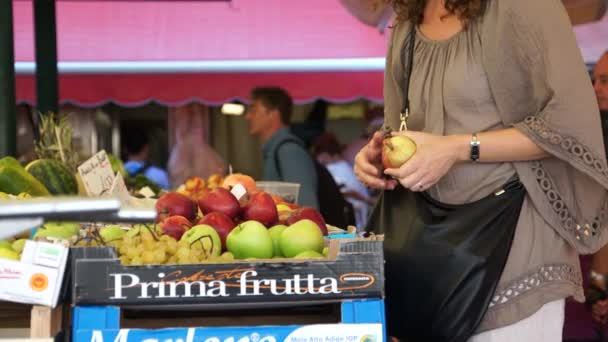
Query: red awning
pixel 175 52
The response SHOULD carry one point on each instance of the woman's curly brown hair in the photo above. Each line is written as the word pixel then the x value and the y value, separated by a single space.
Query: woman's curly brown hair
pixel 412 10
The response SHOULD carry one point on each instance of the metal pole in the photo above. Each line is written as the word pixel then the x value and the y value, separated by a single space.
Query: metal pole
pixel 47 88
pixel 8 108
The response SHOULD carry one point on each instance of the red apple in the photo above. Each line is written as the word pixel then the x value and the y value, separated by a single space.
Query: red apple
pixel 307 213
pixel 173 203
pixel 220 200
pixel 396 151
pixel 261 208
pixel 175 226
pixel 222 224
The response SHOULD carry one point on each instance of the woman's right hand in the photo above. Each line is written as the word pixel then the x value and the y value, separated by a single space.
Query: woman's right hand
pixel 368 165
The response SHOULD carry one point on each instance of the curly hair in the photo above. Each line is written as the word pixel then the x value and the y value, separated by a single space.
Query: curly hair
pixel 413 10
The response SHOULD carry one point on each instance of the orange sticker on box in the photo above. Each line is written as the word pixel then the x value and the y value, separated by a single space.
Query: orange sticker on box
pixel 39 282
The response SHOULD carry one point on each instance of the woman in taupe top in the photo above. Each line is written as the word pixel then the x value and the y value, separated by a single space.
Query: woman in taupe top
pixel 510 72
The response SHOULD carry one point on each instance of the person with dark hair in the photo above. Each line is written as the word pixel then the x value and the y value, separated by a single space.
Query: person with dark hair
pixel 285 158
pixel 508 185
pixel 137 150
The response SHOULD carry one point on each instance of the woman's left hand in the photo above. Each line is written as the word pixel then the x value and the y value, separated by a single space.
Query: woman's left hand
pixel 434 157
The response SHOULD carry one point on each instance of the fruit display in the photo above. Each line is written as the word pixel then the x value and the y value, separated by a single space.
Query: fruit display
pixel 58 230
pixel 14 179
pixel 217 227
pixel 238 178
pixel 11 250
pixel 220 200
pixel 396 150
pixel 196 187
pixel 202 222
pixel 55 176
pixel 173 203
pixel 148 244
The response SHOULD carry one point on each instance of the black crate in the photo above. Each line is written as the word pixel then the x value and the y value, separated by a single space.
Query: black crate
pixel 353 270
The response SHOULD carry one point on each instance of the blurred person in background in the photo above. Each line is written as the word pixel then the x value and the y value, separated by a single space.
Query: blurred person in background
pixel 597 291
pixel 328 151
pixel 373 120
pixel 137 149
pixel 285 155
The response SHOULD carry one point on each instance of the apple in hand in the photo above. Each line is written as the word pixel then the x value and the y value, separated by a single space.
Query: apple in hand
pixel 207 237
pixel 175 226
pixel 261 208
pixel 275 234
pixel 220 200
pixel 221 223
pixel 307 213
pixel 173 203
pixel 301 236
pixel 396 151
pixel 250 239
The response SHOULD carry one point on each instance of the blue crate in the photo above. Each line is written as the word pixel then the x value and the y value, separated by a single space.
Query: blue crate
pixel 362 321
pixel 340 235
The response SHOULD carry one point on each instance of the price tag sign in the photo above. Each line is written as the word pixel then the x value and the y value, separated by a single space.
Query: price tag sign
pixel 97 174
pixel 119 189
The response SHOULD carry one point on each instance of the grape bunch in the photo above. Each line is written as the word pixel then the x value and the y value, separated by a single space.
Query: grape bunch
pixel 144 247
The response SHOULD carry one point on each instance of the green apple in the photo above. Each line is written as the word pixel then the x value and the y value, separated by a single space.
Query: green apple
pixel 227 256
pixel 18 245
pixel 6 244
pixel 301 236
pixel 59 230
pixel 205 235
pixel 309 255
pixel 250 239
pixel 112 233
pixel 6 253
pixel 325 251
pixel 275 234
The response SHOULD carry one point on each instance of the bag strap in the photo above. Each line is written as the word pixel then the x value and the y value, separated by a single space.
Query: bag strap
pixel 405 107
pixel 277 165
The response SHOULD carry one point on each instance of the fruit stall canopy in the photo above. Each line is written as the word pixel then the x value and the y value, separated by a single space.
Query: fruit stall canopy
pixel 175 52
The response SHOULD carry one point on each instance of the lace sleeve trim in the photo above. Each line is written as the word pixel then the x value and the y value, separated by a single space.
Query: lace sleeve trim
pixel 578 152
pixel 581 231
pixel 535 280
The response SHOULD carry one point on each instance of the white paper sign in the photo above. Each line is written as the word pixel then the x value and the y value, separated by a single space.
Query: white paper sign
pixel 97 174
pixel 119 189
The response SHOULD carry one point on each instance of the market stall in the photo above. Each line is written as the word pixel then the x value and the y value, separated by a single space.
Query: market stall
pixel 199 262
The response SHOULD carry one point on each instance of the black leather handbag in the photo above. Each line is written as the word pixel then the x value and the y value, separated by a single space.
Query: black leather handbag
pixel 443 262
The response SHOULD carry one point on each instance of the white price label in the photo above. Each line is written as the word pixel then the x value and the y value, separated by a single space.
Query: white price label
pixel 97 174
pixel 119 189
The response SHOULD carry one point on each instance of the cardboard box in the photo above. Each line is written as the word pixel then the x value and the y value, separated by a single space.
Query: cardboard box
pixel 37 277
pixel 354 269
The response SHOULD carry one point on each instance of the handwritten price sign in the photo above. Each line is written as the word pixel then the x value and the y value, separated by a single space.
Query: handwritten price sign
pixel 97 174
pixel 119 189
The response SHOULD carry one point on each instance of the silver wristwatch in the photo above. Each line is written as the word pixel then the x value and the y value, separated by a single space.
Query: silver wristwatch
pixel 474 147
